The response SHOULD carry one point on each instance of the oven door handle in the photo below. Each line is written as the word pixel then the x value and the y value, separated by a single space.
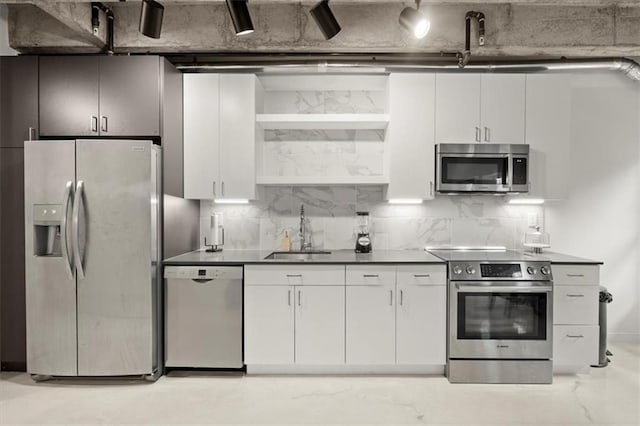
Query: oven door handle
pixel 503 289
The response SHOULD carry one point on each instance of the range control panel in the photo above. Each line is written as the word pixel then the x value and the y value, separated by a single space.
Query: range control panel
pixel 496 271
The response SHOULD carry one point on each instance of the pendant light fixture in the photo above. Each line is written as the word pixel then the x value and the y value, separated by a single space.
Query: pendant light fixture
pixel 151 18
pixel 325 19
pixel 239 12
pixel 414 21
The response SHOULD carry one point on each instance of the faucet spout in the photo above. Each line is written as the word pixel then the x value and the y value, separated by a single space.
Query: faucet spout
pixel 304 245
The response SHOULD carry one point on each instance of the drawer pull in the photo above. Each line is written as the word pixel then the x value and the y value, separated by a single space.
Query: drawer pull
pixel 575 295
pixel 575 275
pixel 371 275
pixel 421 275
pixel 294 275
pixel 575 336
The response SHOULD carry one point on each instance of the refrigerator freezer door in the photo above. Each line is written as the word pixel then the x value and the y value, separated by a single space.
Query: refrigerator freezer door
pixel 115 297
pixel 50 289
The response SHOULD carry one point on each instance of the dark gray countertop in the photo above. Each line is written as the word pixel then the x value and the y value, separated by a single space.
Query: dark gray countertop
pixel 235 257
pixel 241 257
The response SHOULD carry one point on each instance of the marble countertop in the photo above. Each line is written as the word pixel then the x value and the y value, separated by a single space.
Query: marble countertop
pixel 240 257
pixel 234 257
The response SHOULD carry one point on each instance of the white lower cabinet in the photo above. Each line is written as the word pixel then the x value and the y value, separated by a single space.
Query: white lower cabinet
pixel 268 325
pixel 575 345
pixel 421 327
pixel 371 324
pixel 319 325
pixel 576 331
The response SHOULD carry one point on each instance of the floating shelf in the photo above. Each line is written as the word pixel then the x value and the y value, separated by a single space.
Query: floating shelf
pixel 322 180
pixel 323 121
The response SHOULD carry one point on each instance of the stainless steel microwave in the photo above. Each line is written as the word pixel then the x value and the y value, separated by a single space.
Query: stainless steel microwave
pixel 488 168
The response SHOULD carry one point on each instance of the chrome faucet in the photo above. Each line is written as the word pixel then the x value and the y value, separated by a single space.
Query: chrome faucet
pixel 304 245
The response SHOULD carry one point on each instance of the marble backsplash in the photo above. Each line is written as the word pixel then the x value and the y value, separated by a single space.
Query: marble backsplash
pixel 331 219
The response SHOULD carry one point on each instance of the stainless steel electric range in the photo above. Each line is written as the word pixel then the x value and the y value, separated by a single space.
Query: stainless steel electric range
pixel 499 317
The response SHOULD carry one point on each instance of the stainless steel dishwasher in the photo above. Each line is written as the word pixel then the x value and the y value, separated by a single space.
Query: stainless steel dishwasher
pixel 203 317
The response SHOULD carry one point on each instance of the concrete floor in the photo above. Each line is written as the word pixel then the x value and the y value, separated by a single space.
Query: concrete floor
pixel 608 396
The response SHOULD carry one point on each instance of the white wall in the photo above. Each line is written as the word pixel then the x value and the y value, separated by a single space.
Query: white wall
pixel 4 32
pixel 601 218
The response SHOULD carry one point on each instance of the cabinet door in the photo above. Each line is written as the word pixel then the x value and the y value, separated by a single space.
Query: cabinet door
pixel 129 96
pixel 69 96
pixel 370 325
pixel 319 325
pixel 548 133
pixel 457 108
pixel 502 110
pixel 421 324
pixel 19 100
pixel 268 325
pixel 411 134
pixel 201 136
pixel 237 135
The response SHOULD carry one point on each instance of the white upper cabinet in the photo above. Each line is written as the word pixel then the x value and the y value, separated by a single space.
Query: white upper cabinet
pixel 411 136
pixel 219 136
pixel 201 135
pixel 502 108
pixel 486 108
pixel 548 133
pixel 457 108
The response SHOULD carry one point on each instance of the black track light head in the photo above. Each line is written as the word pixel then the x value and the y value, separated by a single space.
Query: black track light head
pixel 325 19
pixel 239 12
pixel 151 18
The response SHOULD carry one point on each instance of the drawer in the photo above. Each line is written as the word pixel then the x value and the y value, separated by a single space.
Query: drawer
pixel 294 275
pixel 371 274
pixel 576 274
pixel 575 304
pixel 422 274
pixel 575 344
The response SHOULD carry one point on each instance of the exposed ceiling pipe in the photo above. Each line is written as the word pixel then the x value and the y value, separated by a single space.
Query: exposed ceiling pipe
pixel 446 62
pixel 95 23
pixel 464 58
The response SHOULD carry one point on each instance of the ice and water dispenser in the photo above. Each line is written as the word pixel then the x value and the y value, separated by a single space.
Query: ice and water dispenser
pixel 47 225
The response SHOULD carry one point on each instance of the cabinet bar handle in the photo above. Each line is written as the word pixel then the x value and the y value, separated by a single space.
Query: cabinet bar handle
pixel 390 297
pixel 477 134
pixel 401 297
pixel 299 298
pixel 575 336
pixel 294 275
pixel 103 127
pixel 487 135
pixel 370 275
pixel 214 189
pixel 289 297
pixel 222 188
pixel 431 188
pixel 94 123
pixel 422 275
pixel 575 295
pixel 575 275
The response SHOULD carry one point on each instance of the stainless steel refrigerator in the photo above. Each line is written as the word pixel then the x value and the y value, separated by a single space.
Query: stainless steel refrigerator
pixel 92 254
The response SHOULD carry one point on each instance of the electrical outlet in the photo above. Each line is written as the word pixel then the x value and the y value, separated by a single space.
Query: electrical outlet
pixel 532 219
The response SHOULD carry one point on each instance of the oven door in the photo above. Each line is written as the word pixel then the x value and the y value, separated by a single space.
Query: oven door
pixel 473 173
pixel 499 320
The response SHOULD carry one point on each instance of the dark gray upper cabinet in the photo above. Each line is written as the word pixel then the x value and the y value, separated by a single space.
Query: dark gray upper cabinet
pixel 19 100
pixel 100 96
pixel 130 96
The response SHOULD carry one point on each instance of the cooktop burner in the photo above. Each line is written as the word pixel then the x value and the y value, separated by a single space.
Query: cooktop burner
pixel 476 255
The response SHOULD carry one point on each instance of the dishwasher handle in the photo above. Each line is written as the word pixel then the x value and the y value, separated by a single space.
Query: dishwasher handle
pixel 201 280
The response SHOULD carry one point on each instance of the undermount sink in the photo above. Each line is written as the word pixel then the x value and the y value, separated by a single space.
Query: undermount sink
pixel 298 255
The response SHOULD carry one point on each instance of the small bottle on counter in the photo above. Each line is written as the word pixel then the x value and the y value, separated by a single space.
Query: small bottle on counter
pixel 285 242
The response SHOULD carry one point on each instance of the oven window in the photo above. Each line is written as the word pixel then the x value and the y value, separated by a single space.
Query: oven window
pixel 502 316
pixel 469 170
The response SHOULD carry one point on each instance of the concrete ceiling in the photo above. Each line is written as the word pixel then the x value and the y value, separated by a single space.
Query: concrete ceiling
pixel 515 28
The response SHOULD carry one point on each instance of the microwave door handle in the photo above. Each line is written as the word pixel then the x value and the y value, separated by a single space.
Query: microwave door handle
pixel 509 162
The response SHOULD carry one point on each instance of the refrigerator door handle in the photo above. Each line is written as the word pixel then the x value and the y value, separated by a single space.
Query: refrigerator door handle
pixel 75 225
pixel 63 229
